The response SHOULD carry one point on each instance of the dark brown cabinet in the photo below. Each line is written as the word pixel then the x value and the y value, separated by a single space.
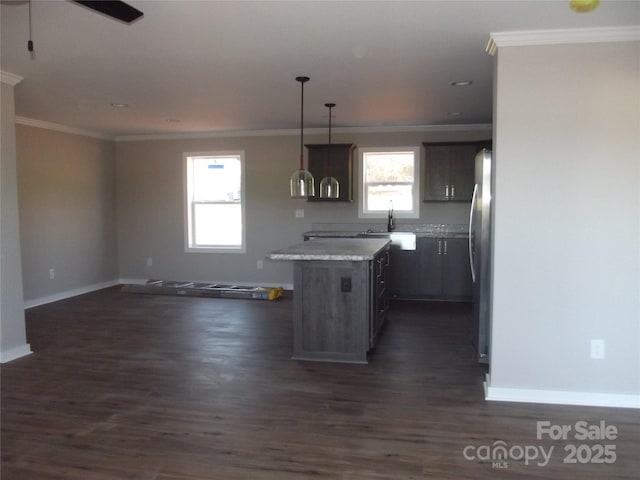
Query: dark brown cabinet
pixel 432 266
pixel 339 307
pixel 456 272
pixel 379 294
pixel 437 270
pixel 335 160
pixel 406 273
pixel 450 170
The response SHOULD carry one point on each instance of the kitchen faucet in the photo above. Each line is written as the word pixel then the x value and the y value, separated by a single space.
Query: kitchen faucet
pixel 390 224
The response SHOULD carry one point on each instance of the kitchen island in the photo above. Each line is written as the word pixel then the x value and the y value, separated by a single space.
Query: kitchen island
pixel 340 296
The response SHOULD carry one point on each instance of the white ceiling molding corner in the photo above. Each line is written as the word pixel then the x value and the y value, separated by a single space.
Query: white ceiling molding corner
pixel 30 122
pixel 10 78
pixel 564 36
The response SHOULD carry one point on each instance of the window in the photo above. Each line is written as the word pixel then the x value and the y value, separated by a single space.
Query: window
pixel 390 178
pixel 214 202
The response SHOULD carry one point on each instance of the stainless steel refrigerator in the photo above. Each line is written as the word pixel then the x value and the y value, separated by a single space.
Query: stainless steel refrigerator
pixel 480 254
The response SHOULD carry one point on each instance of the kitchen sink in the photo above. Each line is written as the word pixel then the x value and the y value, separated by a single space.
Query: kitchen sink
pixel 374 234
pixel 402 240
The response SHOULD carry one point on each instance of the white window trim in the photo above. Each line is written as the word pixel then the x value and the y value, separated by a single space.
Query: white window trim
pixel 415 213
pixel 187 205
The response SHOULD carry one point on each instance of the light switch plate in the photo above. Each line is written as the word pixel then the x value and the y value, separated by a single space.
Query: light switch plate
pixel 299 213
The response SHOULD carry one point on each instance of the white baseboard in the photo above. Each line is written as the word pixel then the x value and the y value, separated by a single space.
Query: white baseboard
pixel 132 281
pixel 69 293
pixel 589 399
pixel 15 353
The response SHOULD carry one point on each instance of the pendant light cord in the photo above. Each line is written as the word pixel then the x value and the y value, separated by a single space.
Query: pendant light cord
pixel 329 165
pixel 330 105
pixel 302 81
pixel 301 124
pixel 30 42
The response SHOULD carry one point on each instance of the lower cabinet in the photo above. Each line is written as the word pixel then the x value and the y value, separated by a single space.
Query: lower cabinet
pixel 406 273
pixel 456 282
pixel 437 270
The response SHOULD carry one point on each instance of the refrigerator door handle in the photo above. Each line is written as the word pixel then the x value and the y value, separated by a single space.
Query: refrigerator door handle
pixel 474 199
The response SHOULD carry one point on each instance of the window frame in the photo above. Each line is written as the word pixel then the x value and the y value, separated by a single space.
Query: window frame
pixel 189 205
pixel 417 161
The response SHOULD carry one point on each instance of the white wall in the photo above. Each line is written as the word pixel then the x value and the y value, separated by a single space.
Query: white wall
pixel 66 191
pixel 12 327
pixel 567 223
pixel 150 204
pixel 94 210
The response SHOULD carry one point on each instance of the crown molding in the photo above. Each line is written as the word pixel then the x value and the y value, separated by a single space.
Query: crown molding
pixel 10 78
pixel 61 128
pixel 559 37
pixel 308 131
pixel 473 127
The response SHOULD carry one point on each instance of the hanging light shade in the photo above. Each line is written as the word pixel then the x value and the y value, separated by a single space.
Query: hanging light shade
pixel 302 183
pixel 329 185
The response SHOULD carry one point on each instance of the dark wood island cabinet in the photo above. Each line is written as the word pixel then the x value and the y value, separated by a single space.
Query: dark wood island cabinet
pixel 340 289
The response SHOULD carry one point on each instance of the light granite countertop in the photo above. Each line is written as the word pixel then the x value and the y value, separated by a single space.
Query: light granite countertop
pixel 352 230
pixel 340 249
pixel 361 234
pixel 334 234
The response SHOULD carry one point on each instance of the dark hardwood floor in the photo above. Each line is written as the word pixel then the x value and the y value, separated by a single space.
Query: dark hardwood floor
pixel 131 386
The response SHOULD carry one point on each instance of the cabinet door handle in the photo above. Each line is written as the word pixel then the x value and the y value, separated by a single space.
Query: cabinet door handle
pixel 446 192
pixel 445 247
pixel 453 191
pixel 439 247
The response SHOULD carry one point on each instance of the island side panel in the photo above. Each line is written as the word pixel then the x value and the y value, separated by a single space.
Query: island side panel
pixel 331 324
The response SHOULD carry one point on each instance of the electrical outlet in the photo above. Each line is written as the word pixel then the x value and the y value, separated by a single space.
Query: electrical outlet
pixel 52 274
pixel 149 262
pixel 299 212
pixel 260 264
pixel 597 349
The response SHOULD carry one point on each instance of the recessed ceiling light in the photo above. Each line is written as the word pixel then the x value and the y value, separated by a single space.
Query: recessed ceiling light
pixel 461 83
pixel 119 105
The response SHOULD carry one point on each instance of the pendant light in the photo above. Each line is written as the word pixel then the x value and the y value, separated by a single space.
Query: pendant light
pixel 329 186
pixel 302 183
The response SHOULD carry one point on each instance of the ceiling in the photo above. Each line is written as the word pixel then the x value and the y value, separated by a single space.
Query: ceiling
pixel 214 66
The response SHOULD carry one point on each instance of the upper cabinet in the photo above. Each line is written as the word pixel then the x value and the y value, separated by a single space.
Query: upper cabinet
pixel 450 170
pixel 335 160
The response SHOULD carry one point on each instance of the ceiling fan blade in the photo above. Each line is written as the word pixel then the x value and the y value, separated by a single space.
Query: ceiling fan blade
pixel 113 8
